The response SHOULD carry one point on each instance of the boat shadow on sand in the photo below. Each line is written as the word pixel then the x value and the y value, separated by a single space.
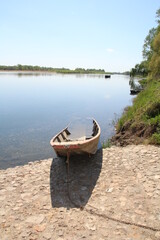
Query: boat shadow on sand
pixel 75 190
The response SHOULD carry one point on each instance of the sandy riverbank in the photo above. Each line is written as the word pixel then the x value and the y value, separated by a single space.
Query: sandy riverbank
pixel 119 189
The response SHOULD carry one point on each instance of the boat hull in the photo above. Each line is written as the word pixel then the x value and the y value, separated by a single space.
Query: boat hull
pixel 77 148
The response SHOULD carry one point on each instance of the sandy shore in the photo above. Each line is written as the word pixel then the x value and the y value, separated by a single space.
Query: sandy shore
pixel 118 190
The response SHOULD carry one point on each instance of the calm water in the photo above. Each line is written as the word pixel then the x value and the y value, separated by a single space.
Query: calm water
pixel 34 107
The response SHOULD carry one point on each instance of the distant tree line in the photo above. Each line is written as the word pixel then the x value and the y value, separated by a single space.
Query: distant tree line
pixel 151 54
pixel 20 67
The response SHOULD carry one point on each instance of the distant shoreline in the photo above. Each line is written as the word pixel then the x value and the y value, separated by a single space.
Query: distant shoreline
pixel 52 72
pixel 29 68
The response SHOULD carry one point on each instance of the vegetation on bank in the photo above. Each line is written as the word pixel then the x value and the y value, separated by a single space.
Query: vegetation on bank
pixel 106 144
pixel 140 123
pixel 143 118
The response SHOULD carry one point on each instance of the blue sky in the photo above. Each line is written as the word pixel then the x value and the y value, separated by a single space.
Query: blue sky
pixel 106 34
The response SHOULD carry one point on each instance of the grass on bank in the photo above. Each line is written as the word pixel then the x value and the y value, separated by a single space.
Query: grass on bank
pixel 144 116
pixel 106 144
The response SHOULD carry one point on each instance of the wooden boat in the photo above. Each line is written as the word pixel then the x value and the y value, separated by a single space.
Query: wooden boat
pixel 64 146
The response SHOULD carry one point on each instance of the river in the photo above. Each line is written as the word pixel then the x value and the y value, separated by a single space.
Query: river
pixel 35 106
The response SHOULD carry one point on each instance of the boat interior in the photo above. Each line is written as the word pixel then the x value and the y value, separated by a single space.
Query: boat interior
pixel 66 135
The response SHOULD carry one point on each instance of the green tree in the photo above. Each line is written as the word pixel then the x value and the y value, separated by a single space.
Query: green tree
pixel 151 53
pixel 147 47
pixel 140 69
pixel 148 42
pixel 158 16
pixel 154 64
